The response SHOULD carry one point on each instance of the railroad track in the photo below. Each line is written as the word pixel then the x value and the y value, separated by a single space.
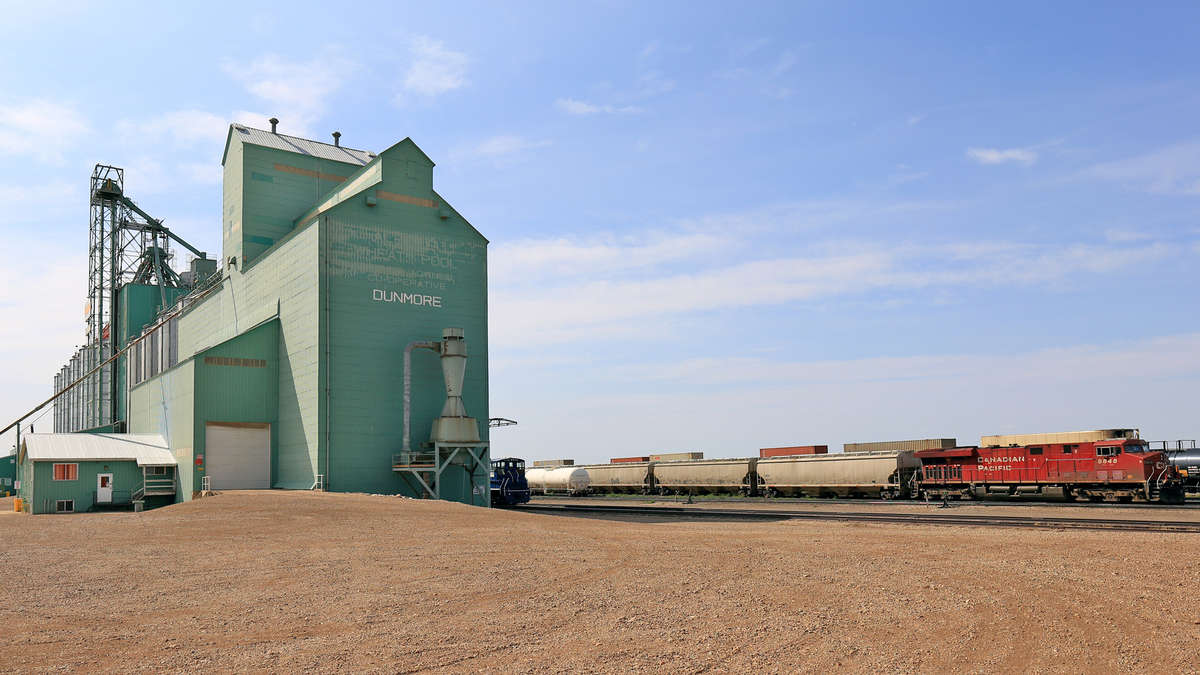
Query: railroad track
pixel 1192 502
pixel 1053 523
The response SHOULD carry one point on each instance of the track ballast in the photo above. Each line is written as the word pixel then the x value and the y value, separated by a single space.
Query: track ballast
pixel 1054 523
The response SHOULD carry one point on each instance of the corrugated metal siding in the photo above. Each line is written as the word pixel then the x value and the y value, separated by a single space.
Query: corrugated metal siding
pixel 921 444
pixel 1056 437
pixel 283 284
pixel 145 449
pixel 673 456
pixel 301 146
pixel 241 393
pixel 402 248
pixel 127 476
pixel 165 405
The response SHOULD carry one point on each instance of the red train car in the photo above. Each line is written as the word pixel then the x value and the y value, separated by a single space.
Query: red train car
pixel 1121 469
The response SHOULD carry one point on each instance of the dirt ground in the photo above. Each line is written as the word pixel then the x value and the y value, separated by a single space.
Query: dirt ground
pixel 287 581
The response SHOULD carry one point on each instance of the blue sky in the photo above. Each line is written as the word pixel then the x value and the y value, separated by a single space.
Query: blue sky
pixel 712 229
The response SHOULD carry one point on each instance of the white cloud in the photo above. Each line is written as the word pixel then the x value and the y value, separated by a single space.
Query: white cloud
pixel 1124 236
pixel 42 288
pixel 183 128
pixel 502 149
pixel 541 295
pixel 297 91
pixel 57 192
pixel 796 401
pixel 564 258
pixel 577 107
pixel 435 69
pixel 1025 156
pixel 1171 170
pixel 40 129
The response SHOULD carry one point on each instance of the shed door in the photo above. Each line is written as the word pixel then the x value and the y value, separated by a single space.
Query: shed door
pixel 238 456
pixel 104 488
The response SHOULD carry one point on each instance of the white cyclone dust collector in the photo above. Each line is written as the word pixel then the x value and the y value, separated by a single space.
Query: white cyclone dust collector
pixel 454 426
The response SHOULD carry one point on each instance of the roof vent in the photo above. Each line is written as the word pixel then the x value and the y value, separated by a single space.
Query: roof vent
pixel 274 121
pixel 337 139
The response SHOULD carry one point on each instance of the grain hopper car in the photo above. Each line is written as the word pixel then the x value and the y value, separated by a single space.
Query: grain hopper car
pixel 876 474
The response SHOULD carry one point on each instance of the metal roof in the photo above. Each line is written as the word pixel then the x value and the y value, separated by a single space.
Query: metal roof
pixel 145 449
pixel 301 146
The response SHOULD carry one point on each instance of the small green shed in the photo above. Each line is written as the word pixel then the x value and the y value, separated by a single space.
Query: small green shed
pixel 70 473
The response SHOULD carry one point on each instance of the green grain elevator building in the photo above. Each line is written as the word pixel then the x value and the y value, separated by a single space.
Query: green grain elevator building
pixel 288 370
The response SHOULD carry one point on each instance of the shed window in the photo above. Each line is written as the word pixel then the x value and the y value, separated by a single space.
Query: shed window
pixel 158 471
pixel 64 506
pixel 66 471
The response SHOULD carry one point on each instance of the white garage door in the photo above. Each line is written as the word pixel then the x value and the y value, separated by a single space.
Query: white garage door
pixel 238 456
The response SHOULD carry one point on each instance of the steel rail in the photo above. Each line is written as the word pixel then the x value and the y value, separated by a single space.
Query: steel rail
pixel 1191 503
pixel 1055 523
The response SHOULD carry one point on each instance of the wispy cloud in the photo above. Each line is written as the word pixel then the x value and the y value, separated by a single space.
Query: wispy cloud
pixel 500 146
pixel 1174 170
pixel 435 69
pixel 1023 156
pixel 788 401
pixel 41 129
pixel 755 66
pixel 179 127
pixel 557 305
pixel 500 150
pixel 297 90
pixel 577 107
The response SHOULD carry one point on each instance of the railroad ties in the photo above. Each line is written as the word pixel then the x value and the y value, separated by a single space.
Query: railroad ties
pixel 1053 523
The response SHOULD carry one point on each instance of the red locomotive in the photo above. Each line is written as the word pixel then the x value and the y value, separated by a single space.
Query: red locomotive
pixel 1123 469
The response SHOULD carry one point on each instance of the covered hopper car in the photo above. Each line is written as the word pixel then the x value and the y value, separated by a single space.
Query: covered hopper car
pixel 707 476
pixel 1123 469
pixel 881 474
pixel 620 478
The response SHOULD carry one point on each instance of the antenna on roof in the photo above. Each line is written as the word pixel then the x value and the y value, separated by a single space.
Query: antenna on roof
pixel 337 136
pixel 274 121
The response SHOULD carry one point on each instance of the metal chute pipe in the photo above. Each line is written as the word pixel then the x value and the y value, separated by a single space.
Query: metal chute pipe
pixel 419 344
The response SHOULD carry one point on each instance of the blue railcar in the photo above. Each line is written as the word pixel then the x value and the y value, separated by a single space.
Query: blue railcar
pixel 509 486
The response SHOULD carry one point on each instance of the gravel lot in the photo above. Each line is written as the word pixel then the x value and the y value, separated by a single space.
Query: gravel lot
pixel 305 581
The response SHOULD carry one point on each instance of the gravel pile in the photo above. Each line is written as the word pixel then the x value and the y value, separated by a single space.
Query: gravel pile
pixel 289 581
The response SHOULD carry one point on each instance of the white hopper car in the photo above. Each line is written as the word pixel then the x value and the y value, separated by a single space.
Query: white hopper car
pixel 620 478
pixel 882 474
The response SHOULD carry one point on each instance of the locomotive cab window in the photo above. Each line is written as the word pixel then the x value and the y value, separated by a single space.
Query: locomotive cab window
pixel 1035 451
pixel 1107 452
pixel 1068 449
